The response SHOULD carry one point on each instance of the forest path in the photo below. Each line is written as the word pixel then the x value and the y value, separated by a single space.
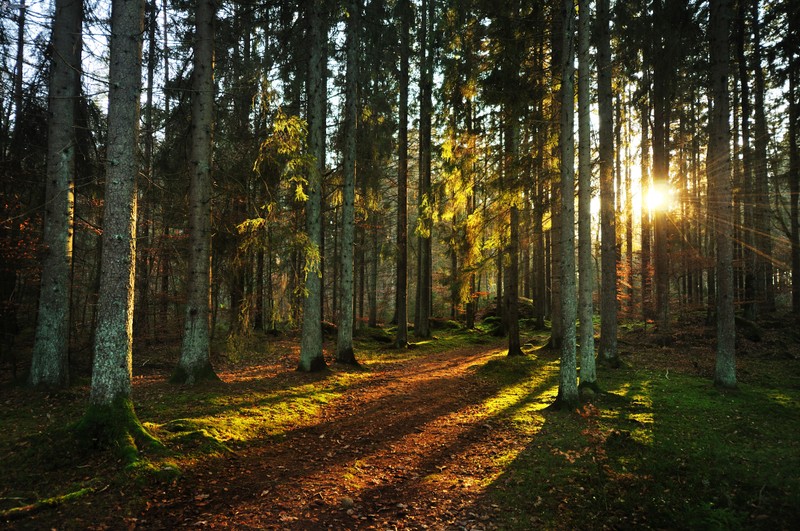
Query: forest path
pixel 410 447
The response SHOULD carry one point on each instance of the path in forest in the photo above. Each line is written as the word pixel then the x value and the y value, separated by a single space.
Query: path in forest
pixel 409 447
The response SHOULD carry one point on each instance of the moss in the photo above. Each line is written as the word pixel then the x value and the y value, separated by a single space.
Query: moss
pixel 25 510
pixel 115 426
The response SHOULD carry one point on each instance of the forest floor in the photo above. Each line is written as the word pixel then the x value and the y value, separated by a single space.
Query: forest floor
pixel 452 434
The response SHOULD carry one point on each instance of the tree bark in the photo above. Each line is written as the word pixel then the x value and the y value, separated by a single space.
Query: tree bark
pixel 110 419
pixel 422 311
pixel 568 387
pixel 195 361
pixel 311 354
pixel 344 343
pixel 586 277
pixel 50 359
pixel 401 297
pixel 719 169
pixel 762 214
pixel 608 221
pixel 661 91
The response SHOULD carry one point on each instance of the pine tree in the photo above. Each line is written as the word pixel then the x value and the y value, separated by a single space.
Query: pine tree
pixel 110 418
pixel 195 363
pixel 50 361
pixel 720 180
pixel 586 276
pixel 344 343
pixel 311 356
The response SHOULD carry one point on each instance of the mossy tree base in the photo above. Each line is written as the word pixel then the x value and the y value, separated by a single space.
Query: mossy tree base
pixel 564 404
pixel 587 390
pixel 115 426
pixel 315 365
pixel 347 357
pixel 186 376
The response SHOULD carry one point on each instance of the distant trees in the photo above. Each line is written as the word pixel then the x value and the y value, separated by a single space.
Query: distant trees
pixel 321 140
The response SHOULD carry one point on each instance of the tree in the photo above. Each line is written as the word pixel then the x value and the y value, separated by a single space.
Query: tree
pixel 662 85
pixel 110 418
pixel 720 178
pixel 311 356
pixel 422 309
pixel 195 363
pixel 762 212
pixel 404 14
pixel 567 388
pixel 586 277
pixel 50 361
pixel 608 222
pixel 344 343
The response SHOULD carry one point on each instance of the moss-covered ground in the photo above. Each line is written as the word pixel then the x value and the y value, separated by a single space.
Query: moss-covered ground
pixel 465 445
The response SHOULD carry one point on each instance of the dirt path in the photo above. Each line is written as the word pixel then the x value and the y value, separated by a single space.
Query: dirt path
pixel 409 448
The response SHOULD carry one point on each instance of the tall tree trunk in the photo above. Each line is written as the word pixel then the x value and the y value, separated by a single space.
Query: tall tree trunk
pixel 344 343
pixel 794 180
pixel 585 276
pixel 762 215
pixel 608 222
pixel 19 75
pixel 747 234
pixel 661 91
pixel 646 282
pixel 110 418
pixel 424 259
pixel 511 296
pixel 401 297
pixel 50 360
pixel 195 362
pixel 568 385
pixel 555 253
pixel 719 169
pixel 311 355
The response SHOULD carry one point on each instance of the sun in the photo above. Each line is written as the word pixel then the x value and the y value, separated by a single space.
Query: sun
pixel 659 198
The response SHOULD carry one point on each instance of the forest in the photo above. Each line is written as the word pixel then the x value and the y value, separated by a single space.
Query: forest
pixel 399 264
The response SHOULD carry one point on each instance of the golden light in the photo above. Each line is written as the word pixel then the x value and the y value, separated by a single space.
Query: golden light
pixel 659 198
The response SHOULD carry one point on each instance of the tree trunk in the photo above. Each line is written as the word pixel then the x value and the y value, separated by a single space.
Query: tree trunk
pixel 511 310
pixel 586 278
pixel 50 360
pixel 110 419
pixel 401 296
pixel 719 169
pixel 747 234
pixel 568 386
pixel 344 343
pixel 608 221
pixel 794 183
pixel 762 214
pixel 661 91
pixel 424 274
pixel 646 282
pixel 311 354
pixel 195 363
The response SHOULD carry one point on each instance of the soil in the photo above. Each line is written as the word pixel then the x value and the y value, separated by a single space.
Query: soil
pixel 405 449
